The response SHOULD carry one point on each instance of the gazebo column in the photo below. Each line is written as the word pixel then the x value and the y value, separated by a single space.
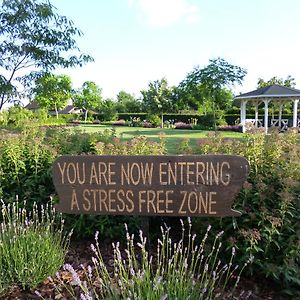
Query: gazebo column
pixel 280 114
pixel 266 114
pixel 243 115
pixel 295 110
pixel 256 103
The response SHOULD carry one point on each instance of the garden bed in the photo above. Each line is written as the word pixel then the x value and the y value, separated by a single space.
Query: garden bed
pixel 80 253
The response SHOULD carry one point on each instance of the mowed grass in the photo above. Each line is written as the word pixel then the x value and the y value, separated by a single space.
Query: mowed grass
pixel 173 137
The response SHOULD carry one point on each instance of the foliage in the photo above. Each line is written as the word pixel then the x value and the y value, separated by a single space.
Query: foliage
pixel 182 270
pixel 270 225
pixel 155 120
pixel 53 91
pixel 25 166
pixel 88 97
pixel 213 78
pixel 288 82
pixel 136 146
pixel 127 102
pixel 26 161
pixel 157 99
pixel 32 245
pixel 108 110
pixel 19 117
pixel 34 38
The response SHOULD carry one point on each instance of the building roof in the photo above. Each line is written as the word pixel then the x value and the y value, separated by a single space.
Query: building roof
pixel 67 110
pixel 32 105
pixel 271 91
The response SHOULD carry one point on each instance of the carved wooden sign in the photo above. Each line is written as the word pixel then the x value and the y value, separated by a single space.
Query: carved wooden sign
pixel 193 185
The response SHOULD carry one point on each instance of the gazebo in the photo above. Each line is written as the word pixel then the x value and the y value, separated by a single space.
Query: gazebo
pixel 272 93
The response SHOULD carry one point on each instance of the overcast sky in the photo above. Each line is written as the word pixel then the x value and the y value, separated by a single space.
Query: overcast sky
pixel 137 41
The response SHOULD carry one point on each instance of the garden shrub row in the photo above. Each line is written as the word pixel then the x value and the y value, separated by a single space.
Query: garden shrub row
pixel 270 204
pixel 268 229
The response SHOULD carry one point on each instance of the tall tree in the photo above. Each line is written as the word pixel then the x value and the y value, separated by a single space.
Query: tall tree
pixel 33 39
pixel 53 91
pixel 88 97
pixel 157 99
pixel 288 82
pixel 214 78
pixel 127 103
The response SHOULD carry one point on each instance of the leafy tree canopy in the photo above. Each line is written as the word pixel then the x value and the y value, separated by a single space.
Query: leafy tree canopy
pixel 288 82
pixel 33 37
pixel 158 96
pixel 127 103
pixel 53 91
pixel 211 83
pixel 88 97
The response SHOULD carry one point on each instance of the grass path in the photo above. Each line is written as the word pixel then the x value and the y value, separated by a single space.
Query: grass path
pixel 173 137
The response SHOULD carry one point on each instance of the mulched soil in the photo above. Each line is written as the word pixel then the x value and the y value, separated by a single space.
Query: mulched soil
pixel 80 253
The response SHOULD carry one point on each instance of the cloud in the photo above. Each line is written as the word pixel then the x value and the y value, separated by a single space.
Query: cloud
pixel 162 13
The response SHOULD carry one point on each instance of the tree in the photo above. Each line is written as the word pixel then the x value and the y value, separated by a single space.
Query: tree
pixel 33 37
pixel 214 78
pixel 108 109
pixel 53 91
pixel 88 97
pixel 288 82
pixel 157 98
pixel 127 103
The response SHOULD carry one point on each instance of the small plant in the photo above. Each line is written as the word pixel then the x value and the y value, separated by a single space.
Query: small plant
pixel 182 270
pixel 32 245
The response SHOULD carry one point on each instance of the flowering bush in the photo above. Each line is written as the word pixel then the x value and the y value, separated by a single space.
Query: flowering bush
pixel 76 122
pixel 181 125
pixel 147 124
pixel 119 123
pixel 269 228
pixel 235 128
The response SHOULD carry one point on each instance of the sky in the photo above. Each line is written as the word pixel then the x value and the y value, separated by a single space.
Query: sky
pixel 134 42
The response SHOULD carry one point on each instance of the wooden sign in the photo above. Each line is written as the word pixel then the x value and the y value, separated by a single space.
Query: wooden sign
pixel 195 185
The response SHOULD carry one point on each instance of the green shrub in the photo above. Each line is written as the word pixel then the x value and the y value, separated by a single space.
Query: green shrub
pixel 25 166
pixel 181 270
pixel 32 246
pixel 19 116
pixel 269 228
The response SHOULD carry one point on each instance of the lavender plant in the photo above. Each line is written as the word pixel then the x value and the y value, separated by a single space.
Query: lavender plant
pixel 32 245
pixel 182 270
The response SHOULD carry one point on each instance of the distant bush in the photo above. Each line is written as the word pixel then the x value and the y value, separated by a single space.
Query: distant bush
pixel 235 128
pixel 119 123
pixel 181 125
pixel 147 125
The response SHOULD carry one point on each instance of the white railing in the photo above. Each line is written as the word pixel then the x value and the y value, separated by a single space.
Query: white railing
pixel 253 122
pixel 283 124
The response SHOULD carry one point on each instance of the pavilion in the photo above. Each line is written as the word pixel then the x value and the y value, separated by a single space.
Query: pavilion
pixel 278 94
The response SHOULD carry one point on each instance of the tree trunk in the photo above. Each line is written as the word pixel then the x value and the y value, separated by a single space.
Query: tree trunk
pixel 56 111
pixel 85 115
pixel 214 112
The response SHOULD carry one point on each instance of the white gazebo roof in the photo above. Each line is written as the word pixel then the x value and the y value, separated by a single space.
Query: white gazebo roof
pixel 272 91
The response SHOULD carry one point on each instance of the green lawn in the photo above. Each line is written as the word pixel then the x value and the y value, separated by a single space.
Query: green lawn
pixel 172 136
